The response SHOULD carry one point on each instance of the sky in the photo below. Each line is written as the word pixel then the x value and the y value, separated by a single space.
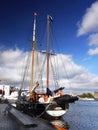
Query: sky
pixel 75 24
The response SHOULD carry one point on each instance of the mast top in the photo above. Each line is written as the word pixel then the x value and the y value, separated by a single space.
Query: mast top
pixel 49 17
pixel 34 27
pixel 35 14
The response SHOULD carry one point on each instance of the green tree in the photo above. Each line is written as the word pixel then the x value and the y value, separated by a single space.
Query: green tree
pixel 86 95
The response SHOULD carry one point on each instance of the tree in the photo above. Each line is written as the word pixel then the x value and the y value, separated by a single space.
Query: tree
pixel 86 95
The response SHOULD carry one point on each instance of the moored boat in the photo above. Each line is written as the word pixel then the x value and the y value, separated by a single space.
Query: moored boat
pixel 50 102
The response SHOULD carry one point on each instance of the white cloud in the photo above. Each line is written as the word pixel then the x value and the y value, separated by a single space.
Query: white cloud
pixel 93 40
pixel 89 25
pixel 89 21
pixel 11 62
pixel 93 51
pixel 71 75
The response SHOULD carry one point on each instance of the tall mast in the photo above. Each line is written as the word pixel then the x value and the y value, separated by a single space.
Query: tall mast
pixel 33 50
pixel 49 19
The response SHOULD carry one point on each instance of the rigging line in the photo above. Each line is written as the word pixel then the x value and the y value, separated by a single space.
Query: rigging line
pixel 51 41
pixel 28 41
pixel 40 80
pixel 41 41
pixel 53 38
pixel 41 68
pixel 59 51
pixel 36 63
pixel 25 70
pixel 54 74
pixel 65 71
pixel 53 46
pixel 57 64
pixel 41 37
pixel 22 70
pixel 38 68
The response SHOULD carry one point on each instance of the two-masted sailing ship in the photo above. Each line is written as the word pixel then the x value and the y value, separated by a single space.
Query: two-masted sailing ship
pixel 42 98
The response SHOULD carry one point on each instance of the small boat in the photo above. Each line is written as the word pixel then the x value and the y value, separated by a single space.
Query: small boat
pixel 47 100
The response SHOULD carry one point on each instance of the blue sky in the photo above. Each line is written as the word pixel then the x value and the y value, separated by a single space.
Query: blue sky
pixel 75 26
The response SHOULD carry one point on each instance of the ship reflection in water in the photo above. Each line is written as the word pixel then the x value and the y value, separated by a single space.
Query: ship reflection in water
pixel 60 124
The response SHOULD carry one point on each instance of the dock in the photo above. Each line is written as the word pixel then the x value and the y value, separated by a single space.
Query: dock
pixel 25 119
pixel 16 120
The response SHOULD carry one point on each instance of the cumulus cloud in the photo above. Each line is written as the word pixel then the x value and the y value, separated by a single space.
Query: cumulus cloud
pixel 89 25
pixel 93 40
pixel 11 61
pixel 89 21
pixel 70 75
pixel 93 51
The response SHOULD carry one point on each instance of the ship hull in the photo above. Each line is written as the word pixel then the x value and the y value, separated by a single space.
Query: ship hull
pixel 42 109
pixel 57 108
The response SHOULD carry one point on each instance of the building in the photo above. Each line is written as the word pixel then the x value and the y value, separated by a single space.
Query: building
pixel 96 95
pixel 5 90
pixel 8 92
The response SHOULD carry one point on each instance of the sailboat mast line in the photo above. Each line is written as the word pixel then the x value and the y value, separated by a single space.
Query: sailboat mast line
pixel 25 71
pixel 41 68
pixel 33 51
pixel 67 76
pixel 54 40
pixel 54 73
pixel 47 50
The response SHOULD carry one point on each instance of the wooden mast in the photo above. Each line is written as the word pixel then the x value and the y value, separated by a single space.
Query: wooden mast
pixel 33 52
pixel 49 19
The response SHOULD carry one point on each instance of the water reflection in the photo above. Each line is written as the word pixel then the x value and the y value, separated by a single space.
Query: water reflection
pixel 60 124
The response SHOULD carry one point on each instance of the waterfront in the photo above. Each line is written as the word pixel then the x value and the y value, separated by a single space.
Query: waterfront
pixel 82 115
pixel 9 122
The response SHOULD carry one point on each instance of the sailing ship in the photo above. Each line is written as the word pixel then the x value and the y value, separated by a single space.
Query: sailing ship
pixel 43 101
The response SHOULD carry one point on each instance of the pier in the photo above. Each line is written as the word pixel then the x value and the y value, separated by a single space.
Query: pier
pixel 15 120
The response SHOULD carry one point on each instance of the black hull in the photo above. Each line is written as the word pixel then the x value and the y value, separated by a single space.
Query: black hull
pixel 41 110
pixel 34 108
pixel 65 99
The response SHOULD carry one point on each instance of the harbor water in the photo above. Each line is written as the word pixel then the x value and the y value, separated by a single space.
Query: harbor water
pixel 82 115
